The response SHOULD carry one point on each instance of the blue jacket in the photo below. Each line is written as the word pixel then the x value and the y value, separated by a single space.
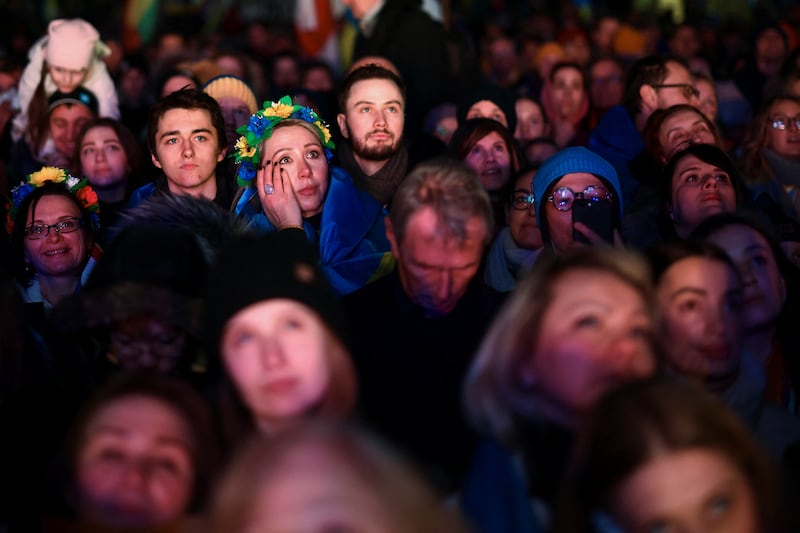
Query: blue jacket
pixel 352 243
pixel 495 497
pixel 617 140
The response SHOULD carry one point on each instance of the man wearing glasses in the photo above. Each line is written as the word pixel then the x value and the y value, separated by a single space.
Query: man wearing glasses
pixel 653 82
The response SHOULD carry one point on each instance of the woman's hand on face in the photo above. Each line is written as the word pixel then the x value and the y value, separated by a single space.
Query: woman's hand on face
pixel 281 206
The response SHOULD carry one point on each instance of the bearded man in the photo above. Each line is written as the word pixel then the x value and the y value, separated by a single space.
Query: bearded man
pixel 372 100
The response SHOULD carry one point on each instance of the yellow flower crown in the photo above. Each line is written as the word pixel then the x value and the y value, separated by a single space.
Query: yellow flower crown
pixel 260 127
pixel 80 188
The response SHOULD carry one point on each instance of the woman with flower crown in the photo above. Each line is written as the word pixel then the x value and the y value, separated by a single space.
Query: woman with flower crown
pixel 288 184
pixel 52 218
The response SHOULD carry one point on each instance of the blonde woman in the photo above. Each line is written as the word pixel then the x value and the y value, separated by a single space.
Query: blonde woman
pixel 578 326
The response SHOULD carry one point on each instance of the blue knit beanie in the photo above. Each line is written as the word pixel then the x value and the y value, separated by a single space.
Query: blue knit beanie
pixel 567 161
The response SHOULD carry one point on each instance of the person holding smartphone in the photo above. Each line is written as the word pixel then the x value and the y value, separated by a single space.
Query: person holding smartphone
pixel 578 200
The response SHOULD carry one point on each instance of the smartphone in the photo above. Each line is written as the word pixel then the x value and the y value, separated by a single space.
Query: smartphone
pixel 598 216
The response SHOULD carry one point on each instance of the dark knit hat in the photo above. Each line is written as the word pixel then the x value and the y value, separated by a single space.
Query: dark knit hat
pixel 147 270
pixel 80 95
pixel 503 98
pixel 254 268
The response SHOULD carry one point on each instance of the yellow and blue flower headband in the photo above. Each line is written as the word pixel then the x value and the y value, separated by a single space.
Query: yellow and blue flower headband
pixel 259 129
pixel 80 188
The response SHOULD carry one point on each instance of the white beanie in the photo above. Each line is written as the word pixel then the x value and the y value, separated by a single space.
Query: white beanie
pixel 71 43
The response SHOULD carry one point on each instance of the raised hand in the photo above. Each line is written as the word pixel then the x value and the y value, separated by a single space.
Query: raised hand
pixel 277 196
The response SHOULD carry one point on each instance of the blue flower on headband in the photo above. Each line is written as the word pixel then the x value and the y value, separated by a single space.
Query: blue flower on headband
pixel 307 115
pixel 246 171
pixel 257 124
pixel 18 194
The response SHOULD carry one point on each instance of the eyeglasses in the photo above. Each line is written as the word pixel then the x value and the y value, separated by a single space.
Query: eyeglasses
pixel 782 122
pixel 688 89
pixel 521 200
pixel 41 231
pixel 563 197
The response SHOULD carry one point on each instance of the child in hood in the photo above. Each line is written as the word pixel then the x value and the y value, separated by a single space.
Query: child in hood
pixel 69 56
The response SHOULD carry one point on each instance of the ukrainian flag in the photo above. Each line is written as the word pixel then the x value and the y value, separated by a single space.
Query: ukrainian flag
pixel 141 17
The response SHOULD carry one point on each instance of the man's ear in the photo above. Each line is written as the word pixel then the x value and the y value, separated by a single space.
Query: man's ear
pixel 342 121
pixel 222 153
pixel 390 236
pixel 649 96
pixel 154 159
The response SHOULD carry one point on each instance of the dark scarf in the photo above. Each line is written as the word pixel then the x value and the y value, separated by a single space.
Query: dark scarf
pixel 786 171
pixel 383 183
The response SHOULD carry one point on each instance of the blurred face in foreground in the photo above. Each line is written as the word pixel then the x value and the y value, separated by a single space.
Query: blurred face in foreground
pixel 135 467
pixel 596 333
pixel 689 491
pixel 700 305
pixel 275 353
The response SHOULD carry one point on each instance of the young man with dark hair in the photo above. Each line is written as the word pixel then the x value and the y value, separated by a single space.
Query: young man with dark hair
pixel 186 138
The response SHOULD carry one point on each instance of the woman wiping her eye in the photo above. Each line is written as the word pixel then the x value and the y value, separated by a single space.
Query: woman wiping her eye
pixel 287 184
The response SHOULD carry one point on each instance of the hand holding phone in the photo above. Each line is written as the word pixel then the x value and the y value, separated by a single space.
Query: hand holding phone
pixel 597 215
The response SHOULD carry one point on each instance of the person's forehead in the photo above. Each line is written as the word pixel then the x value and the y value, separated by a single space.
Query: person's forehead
pixel 71 110
pixel 605 66
pixel 425 226
pixel 677 72
pixel 179 115
pixel 686 118
pixel 785 106
pixel 375 87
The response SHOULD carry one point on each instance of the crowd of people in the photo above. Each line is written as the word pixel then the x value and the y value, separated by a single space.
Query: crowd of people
pixel 543 276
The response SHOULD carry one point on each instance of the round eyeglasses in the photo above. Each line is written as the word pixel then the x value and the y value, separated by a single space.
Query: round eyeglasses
pixel 521 200
pixel 41 231
pixel 782 122
pixel 563 197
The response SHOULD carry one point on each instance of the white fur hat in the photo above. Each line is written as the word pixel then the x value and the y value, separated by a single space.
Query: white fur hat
pixel 72 43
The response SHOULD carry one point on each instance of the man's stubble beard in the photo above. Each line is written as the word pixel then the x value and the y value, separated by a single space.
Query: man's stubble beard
pixel 381 152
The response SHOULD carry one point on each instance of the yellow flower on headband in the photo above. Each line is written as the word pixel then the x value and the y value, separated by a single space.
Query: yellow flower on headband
pixel 259 128
pixel 325 131
pixel 56 175
pixel 279 109
pixel 244 149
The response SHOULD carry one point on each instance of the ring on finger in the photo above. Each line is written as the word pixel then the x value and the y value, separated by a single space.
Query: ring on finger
pixel 269 188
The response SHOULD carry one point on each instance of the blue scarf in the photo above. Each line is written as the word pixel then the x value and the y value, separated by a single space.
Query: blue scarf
pixel 352 244
pixel 506 262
